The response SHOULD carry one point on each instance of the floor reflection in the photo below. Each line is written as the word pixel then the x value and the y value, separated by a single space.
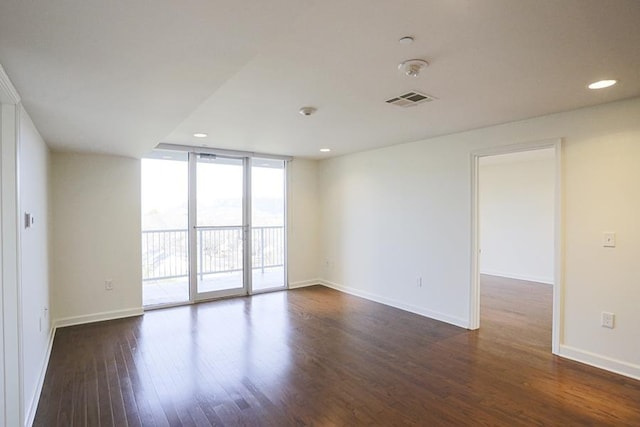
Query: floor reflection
pixel 213 348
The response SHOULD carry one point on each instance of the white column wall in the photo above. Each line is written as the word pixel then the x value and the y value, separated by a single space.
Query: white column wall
pixel 303 221
pixel 36 332
pixel 96 237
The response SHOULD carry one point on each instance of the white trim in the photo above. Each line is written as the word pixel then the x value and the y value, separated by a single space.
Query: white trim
pixel 192 221
pixel 98 317
pixel 557 334
pixel 305 283
pixel 10 223
pixel 247 228
pixel 613 365
pixel 8 92
pixel 537 279
pixel 32 409
pixel 474 288
pixel 456 321
pixel 2 273
pixel 220 151
pixel 19 227
pixel 285 232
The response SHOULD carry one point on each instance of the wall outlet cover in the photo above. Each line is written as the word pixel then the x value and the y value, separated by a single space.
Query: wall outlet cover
pixel 607 320
pixel 609 240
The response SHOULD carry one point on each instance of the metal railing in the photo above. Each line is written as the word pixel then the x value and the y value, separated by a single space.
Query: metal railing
pixel 165 252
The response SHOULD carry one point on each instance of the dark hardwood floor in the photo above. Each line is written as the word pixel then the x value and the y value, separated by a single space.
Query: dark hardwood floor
pixel 315 356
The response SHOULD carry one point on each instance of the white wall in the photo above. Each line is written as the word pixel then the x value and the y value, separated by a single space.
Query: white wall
pixel 393 214
pixel 516 200
pixel 96 237
pixel 34 259
pixel 303 233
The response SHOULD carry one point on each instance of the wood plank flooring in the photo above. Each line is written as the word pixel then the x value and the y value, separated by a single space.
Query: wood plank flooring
pixel 315 356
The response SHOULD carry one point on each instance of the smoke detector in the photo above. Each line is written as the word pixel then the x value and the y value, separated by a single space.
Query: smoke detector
pixel 307 111
pixel 406 40
pixel 412 67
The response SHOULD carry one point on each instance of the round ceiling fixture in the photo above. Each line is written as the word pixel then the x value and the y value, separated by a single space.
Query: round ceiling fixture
pixel 200 135
pixel 601 84
pixel 412 67
pixel 406 40
pixel 307 111
pixel 325 150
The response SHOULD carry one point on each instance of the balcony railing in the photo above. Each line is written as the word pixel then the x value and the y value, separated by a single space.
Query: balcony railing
pixel 165 252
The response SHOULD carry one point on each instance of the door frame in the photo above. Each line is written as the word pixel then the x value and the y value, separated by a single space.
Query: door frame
pixel 558 285
pixel 247 156
pixel 194 295
pixel 12 407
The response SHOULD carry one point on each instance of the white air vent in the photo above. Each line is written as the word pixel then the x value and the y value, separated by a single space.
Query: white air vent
pixel 410 99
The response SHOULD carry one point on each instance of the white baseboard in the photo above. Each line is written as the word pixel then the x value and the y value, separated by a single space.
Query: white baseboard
pixel 99 317
pixel 528 278
pixel 398 304
pixel 304 283
pixel 35 399
pixel 623 368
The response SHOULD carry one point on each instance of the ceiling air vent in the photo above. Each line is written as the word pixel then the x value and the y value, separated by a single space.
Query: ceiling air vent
pixel 410 99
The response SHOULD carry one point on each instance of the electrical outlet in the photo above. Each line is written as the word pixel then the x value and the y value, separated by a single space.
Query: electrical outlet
pixel 108 285
pixel 608 320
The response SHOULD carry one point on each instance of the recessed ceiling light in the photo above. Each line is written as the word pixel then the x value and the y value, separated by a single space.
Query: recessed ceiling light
pixel 406 40
pixel 200 135
pixel 325 150
pixel 601 84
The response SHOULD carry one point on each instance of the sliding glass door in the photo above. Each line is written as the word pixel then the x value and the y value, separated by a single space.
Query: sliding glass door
pixel 165 248
pixel 268 218
pixel 213 226
pixel 220 225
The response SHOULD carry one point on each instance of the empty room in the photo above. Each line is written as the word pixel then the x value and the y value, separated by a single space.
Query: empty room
pixel 319 213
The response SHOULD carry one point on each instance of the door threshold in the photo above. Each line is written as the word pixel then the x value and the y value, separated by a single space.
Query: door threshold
pixel 184 303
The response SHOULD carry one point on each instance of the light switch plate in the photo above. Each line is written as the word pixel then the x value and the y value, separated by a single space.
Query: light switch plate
pixel 609 240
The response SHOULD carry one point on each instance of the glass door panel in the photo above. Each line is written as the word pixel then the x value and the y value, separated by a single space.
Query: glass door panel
pixel 219 226
pixel 165 202
pixel 267 224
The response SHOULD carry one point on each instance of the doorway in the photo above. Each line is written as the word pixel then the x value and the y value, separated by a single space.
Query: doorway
pixel 213 226
pixel 524 242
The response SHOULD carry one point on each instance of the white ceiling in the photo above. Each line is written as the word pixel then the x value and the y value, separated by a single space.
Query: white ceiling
pixel 121 76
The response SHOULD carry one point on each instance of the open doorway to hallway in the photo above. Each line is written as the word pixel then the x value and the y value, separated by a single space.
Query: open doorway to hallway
pixel 516 231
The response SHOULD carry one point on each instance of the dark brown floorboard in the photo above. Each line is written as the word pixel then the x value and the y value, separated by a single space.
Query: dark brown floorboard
pixel 316 356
